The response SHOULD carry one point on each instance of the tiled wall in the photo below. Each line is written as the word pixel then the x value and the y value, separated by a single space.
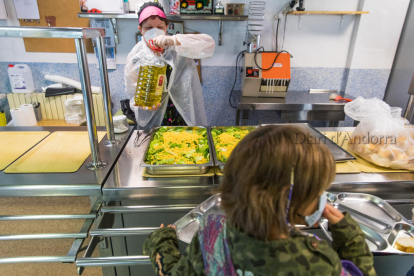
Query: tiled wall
pixel 217 83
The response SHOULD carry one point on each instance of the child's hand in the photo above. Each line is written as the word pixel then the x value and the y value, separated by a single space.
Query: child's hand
pixel 332 214
pixel 172 226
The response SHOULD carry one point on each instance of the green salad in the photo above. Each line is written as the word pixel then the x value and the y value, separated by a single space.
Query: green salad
pixel 226 140
pixel 178 145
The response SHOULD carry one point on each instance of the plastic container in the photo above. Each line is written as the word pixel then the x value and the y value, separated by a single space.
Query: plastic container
pixel 120 123
pixel 75 110
pixel 150 85
pixel 21 79
pixel 126 6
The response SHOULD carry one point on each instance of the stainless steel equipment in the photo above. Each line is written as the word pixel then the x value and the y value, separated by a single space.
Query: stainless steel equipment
pixel 409 111
pixel 254 25
pixel 380 222
pixel 339 154
pixel 188 225
pixel 126 183
pixel 84 182
pixel 79 34
pixel 220 165
pixel 257 82
pixel 73 251
pixel 297 105
pixel 177 169
pixel 137 203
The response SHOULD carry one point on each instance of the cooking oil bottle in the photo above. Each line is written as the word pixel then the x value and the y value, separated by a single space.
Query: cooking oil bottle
pixel 150 85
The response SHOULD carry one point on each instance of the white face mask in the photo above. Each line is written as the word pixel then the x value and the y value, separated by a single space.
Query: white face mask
pixel 153 33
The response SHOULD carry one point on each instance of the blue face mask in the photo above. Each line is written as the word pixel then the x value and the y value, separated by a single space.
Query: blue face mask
pixel 315 217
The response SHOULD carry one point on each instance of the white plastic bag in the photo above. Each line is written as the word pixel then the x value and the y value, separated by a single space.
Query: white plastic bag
pixel 382 137
pixel 148 119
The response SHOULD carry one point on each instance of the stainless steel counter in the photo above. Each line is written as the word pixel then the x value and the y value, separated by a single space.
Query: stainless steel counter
pixel 126 182
pixel 84 182
pixel 136 204
pixel 298 105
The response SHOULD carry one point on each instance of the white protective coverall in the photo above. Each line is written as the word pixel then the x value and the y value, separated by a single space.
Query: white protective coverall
pixel 184 86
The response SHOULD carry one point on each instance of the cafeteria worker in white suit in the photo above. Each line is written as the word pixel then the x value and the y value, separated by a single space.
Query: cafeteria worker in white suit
pixel 184 104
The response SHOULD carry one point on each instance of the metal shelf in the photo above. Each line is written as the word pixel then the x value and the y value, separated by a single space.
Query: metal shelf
pixel 328 12
pixel 171 17
pixel 45 32
pixel 342 13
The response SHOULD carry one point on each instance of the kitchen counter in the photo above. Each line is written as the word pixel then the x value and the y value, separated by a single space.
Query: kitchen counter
pixel 126 182
pixel 84 182
pixel 297 105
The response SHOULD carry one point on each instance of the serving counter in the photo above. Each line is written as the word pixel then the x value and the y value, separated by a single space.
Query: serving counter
pixel 126 182
pixel 133 206
pixel 138 204
pixel 83 182
pixel 45 218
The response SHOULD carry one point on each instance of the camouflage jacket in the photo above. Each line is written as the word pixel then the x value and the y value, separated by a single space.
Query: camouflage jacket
pixel 298 255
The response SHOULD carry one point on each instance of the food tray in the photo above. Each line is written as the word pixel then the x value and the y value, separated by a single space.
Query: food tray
pixel 380 222
pixel 178 169
pixel 339 154
pixel 220 165
pixel 188 225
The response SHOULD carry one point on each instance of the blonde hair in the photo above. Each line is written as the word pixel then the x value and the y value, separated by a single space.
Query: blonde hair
pixel 255 189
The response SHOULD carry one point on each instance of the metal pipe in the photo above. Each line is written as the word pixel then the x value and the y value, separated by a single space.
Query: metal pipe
pixel 47 217
pixel 220 42
pixel 409 111
pixel 103 70
pixel 149 208
pixel 121 232
pixel 43 236
pixel 85 80
pixel 40 259
pixel 399 201
pixel 74 250
pixel 114 261
pixel 40 32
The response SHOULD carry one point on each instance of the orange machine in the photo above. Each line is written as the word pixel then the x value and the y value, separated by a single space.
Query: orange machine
pixel 265 78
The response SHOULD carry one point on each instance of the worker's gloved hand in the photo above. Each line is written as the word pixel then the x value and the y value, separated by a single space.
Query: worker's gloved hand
pixel 153 108
pixel 164 41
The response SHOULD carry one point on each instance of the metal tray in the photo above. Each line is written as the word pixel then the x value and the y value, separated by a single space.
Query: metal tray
pixel 218 163
pixel 380 222
pixel 178 169
pixel 339 154
pixel 188 225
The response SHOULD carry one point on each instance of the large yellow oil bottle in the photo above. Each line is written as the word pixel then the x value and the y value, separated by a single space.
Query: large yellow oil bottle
pixel 150 85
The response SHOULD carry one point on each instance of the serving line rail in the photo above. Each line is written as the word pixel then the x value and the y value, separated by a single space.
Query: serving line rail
pixel 80 34
pixel 297 106
pixel 73 251
pixel 103 230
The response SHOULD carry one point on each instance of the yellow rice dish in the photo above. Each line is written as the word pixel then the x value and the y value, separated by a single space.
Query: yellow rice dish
pixel 178 145
pixel 225 141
